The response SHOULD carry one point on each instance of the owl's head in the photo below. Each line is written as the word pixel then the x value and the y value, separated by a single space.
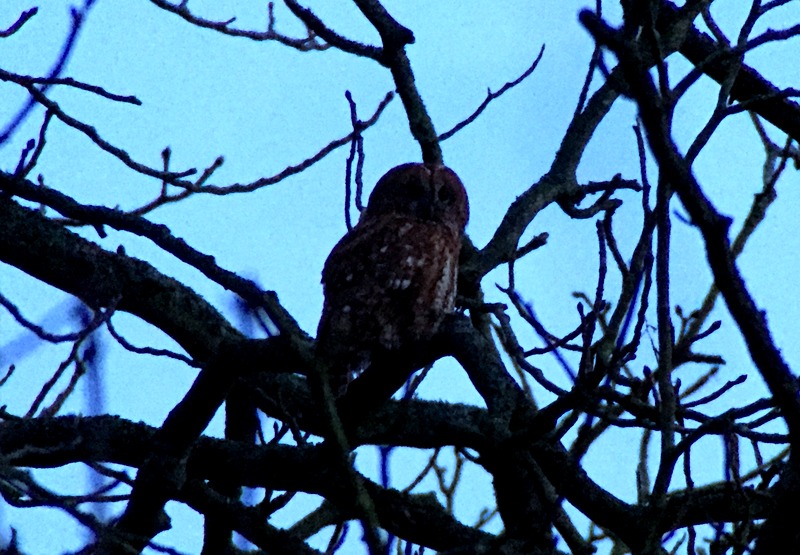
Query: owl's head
pixel 430 192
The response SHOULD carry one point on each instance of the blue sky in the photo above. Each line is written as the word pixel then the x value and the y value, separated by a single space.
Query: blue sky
pixel 263 107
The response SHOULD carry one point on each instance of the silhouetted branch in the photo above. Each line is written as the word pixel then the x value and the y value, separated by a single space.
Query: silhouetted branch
pixel 306 44
pixel 316 26
pixel 17 25
pixel 78 16
pixel 28 80
pixel 713 227
pixel 490 96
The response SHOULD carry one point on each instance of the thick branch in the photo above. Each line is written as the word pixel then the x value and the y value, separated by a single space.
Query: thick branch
pixel 395 37
pixel 160 235
pixel 749 86
pixel 54 255
pixel 54 442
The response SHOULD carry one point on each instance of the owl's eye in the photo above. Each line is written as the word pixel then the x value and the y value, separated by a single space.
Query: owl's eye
pixel 416 189
pixel 445 195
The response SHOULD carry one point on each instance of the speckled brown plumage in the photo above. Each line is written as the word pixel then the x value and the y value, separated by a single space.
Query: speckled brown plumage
pixel 390 281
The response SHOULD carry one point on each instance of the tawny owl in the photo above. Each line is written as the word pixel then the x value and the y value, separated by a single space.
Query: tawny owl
pixel 390 281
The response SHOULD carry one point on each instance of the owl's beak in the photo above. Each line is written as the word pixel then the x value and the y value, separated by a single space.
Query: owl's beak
pixel 427 205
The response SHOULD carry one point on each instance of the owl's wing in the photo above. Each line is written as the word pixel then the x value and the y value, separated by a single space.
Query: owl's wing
pixel 357 304
pixel 368 255
pixel 390 279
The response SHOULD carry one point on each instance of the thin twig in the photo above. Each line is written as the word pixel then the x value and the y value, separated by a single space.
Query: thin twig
pixel 70 82
pixel 17 25
pixel 308 43
pixel 492 96
pixel 78 16
pixel 100 317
